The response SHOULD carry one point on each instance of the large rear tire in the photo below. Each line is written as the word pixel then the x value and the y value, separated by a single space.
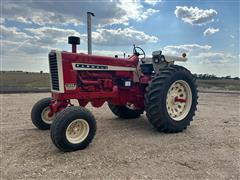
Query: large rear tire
pixel 171 99
pixel 124 112
pixel 39 114
pixel 73 129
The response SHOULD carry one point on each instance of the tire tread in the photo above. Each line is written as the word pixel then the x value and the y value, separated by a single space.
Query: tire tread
pixel 153 100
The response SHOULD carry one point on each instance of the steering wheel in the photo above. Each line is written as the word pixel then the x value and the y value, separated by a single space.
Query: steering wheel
pixel 137 53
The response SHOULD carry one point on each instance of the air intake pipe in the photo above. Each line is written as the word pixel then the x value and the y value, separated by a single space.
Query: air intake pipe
pixel 74 41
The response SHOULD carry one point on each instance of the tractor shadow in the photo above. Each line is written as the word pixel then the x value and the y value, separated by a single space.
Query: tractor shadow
pixel 139 125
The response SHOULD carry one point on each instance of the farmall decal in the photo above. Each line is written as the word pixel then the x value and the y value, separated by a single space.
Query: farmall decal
pixel 91 66
pixel 97 67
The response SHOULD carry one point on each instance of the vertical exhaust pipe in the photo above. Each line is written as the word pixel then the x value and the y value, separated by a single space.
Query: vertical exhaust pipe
pixel 89 31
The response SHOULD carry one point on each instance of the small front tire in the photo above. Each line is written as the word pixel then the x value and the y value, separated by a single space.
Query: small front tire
pixel 39 114
pixel 73 129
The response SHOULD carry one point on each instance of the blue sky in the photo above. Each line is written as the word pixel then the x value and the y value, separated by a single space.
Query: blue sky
pixel 208 31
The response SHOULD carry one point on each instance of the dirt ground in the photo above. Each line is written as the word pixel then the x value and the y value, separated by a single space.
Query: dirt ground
pixel 124 149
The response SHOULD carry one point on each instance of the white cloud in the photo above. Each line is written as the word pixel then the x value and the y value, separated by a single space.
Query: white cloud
pixel 40 40
pixel 121 37
pixel 201 55
pixel 214 57
pixel 13 34
pixel 34 41
pixel 152 2
pixel 210 31
pixel 22 48
pixel 63 13
pixel 195 16
pixel 147 13
pixel 133 10
pixel 187 48
pixel 44 37
pixel 2 20
pixel 23 20
pixel 28 12
pixel 50 35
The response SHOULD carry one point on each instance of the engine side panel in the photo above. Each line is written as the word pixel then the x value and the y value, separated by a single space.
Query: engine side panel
pixel 97 79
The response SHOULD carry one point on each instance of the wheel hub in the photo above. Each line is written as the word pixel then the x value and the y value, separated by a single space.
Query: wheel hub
pixel 77 131
pixel 45 115
pixel 179 100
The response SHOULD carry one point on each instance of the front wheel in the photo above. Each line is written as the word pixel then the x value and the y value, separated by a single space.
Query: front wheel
pixel 40 114
pixel 171 99
pixel 73 129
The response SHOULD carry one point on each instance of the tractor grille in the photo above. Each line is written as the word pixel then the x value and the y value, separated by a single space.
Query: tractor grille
pixel 54 71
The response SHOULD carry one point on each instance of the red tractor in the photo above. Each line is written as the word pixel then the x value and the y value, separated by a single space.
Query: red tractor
pixel 130 86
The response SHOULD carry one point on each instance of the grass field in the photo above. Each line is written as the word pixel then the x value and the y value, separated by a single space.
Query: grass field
pixel 220 84
pixel 28 81
pixel 24 80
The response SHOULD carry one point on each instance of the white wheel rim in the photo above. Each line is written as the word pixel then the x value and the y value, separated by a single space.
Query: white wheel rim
pixel 45 116
pixel 179 100
pixel 77 131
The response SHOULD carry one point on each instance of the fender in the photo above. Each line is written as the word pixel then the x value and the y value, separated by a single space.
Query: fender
pixel 174 58
pixel 168 58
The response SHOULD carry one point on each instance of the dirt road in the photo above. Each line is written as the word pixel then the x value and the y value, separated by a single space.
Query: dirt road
pixel 124 149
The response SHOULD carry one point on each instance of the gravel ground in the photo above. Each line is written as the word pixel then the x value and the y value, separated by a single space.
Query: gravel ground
pixel 124 149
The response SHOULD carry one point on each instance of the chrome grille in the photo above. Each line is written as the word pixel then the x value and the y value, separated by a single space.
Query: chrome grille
pixel 54 70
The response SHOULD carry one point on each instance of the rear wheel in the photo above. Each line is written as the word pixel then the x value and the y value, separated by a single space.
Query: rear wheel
pixel 171 99
pixel 126 112
pixel 73 129
pixel 40 114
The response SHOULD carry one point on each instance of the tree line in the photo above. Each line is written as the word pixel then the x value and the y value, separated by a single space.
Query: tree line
pixel 212 77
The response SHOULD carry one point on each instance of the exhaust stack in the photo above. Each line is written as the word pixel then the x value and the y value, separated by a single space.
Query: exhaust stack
pixel 89 31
